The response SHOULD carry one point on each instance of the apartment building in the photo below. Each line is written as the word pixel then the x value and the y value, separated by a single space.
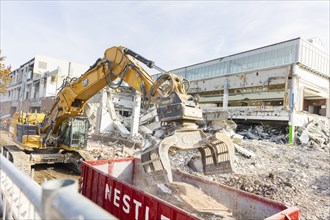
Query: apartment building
pixel 36 82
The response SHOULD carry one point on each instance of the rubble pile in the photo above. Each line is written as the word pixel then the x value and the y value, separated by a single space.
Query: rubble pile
pixel 267 185
pixel 266 133
pixel 109 150
pixel 293 175
pixel 315 135
pixel 265 165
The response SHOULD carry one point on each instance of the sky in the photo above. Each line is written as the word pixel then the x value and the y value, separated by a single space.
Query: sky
pixel 171 33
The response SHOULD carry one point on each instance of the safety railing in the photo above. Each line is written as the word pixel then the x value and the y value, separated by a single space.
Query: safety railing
pixel 22 198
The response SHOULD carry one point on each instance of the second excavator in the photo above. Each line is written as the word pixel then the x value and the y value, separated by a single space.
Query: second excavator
pixel 64 129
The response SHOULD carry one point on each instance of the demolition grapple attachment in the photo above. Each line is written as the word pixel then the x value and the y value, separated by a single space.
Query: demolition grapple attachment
pixel 217 152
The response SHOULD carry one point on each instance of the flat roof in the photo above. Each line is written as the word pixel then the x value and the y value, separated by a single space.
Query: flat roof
pixel 298 38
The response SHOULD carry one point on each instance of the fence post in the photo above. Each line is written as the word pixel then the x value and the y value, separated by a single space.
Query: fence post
pixel 50 188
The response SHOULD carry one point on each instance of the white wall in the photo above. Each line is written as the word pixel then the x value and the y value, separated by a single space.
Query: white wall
pixel 313 81
pixel 60 68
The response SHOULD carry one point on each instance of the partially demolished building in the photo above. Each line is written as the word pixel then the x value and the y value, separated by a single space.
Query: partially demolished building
pixel 282 82
pixel 35 84
pixel 285 83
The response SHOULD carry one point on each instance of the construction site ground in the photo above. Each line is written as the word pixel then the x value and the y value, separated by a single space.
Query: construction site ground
pixel 291 174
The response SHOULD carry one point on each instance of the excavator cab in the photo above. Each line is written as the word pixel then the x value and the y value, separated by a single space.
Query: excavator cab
pixel 73 133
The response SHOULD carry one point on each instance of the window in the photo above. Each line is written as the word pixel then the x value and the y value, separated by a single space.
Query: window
pixel 53 78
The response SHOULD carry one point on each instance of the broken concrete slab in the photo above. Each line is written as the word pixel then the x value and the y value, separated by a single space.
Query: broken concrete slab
pixel 217 125
pixel 144 129
pixel 211 114
pixel 121 128
pixel 153 126
pixel 148 116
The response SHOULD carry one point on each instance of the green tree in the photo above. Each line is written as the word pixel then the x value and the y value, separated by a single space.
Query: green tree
pixel 5 78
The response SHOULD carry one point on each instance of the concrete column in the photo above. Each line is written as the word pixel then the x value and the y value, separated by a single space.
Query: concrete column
pixel 225 96
pixel 33 89
pixel 99 116
pixel 293 101
pixel 136 114
pixel 103 121
pixel 300 97
pixel 327 105
pixel 41 88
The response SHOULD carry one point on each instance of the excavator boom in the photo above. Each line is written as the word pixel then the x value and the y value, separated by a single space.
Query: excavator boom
pixel 175 108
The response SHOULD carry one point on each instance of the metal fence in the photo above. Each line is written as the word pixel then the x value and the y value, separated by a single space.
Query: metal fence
pixel 22 198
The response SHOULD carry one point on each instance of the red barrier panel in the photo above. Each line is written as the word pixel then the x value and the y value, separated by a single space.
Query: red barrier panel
pixel 108 183
pixel 122 199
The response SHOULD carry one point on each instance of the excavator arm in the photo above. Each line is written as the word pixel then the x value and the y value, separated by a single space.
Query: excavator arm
pixel 121 64
pixel 175 108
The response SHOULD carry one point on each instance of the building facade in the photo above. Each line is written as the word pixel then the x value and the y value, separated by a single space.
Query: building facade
pixel 291 75
pixel 35 84
pixel 282 82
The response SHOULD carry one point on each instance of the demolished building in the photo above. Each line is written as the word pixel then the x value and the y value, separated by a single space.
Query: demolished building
pixel 275 83
pixel 285 83
pixel 35 84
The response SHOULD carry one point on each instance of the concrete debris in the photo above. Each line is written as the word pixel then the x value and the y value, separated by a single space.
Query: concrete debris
pixel 114 138
pixel 237 138
pixel 315 134
pixel 153 125
pixel 195 164
pixel 266 133
pixel 216 125
pixel 109 150
pixel 164 189
pixel 121 128
pixel 149 116
pixel 144 129
pixel 244 152
pixel 293 175
pixel 214 114
pixel 264 165
pixel 160 133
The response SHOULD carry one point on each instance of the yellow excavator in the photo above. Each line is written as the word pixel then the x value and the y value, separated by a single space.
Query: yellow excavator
pixel 61 135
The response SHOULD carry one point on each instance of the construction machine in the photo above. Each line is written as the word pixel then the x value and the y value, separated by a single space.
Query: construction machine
pixel 61 135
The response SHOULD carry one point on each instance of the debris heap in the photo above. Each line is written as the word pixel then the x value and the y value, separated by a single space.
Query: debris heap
pixel 266 133
pixel 315 135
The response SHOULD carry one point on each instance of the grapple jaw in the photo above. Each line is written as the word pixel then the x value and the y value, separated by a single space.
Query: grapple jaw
pixel 217 153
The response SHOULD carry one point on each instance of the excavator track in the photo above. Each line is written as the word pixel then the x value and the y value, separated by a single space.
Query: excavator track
pixel 217 153
pixel 24 161
pixel 75 159
pixel 18 157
